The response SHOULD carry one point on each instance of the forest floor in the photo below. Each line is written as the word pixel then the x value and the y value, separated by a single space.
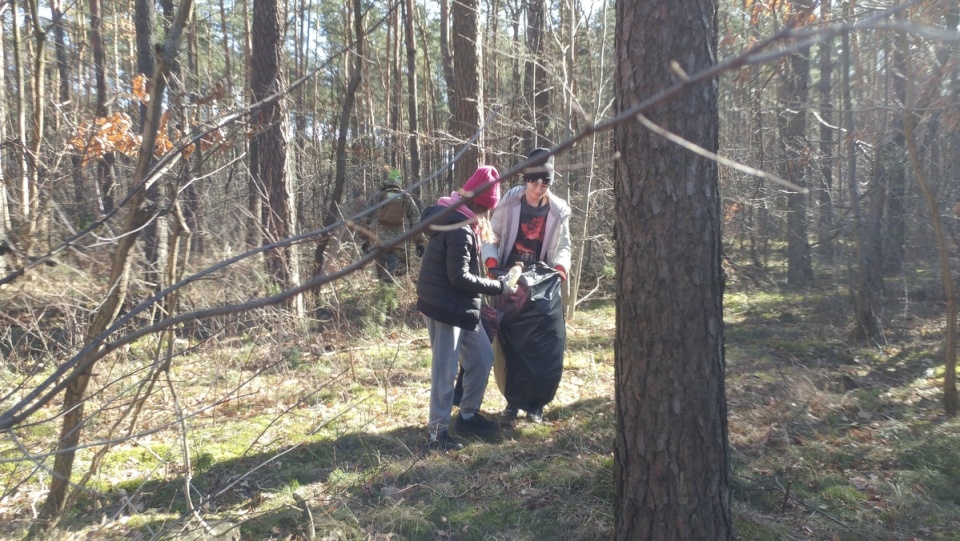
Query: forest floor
pixel 288 433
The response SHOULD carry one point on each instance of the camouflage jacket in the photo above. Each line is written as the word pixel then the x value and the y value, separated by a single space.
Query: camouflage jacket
pixel 410 215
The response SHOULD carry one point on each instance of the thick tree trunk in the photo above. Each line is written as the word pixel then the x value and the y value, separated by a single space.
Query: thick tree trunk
pixel 270 122
pixel 671 474
pixel 467 86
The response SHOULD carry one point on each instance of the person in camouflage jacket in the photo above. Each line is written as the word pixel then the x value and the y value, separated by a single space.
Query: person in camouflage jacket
pixel 396 213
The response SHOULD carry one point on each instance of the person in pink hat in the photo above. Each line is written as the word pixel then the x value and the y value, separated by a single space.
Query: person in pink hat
pixel 449 288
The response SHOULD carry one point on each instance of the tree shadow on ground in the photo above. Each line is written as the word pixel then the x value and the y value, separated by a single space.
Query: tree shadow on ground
pixel 371 470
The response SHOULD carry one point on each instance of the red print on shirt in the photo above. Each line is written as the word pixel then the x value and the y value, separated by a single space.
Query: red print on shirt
pixel 531 233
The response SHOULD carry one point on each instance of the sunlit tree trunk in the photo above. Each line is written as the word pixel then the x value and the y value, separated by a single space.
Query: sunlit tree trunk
pixel 192 202
pixel 255 192
pixel 143 24
pixel 758 213
pixel 876 199
pixel 63 61
pixel 446 57
pixel 155 235
pixel 671 470
pixel 894 150
pixel 227 52
pixel 394 90
pixel 910 117
pixel 5 187
pixel 36 225
pixel 21 115
pixel 413 111
pixel 567 124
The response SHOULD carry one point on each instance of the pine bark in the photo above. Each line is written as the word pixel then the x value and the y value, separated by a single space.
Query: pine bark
pixel 467 87
pixel 671 471
pixel 413 111
pixel 270 140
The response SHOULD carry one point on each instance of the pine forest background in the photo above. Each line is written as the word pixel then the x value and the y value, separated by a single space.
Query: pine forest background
pixel 266 124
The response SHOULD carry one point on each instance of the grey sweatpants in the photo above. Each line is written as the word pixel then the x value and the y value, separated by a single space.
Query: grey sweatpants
pixel 452 346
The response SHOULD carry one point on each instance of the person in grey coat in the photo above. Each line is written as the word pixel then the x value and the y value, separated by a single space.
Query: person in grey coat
pixel 530 224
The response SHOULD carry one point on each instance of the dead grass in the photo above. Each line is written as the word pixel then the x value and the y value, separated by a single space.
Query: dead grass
pixel 286 429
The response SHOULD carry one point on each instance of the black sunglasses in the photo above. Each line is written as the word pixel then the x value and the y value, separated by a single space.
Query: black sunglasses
pixel 543 181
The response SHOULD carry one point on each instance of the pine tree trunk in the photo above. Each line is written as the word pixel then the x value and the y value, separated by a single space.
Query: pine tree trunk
pixel 792 122
pixel 863 302
pixel 6 185
pixel 467 86
pixel 825 242
pixel 105 177
pixel 535 78
pixel 413 111
pixel 270 123
pixel 671 471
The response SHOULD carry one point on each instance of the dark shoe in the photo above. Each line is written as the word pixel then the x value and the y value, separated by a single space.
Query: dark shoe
pixel 478 424
pixel 510 413
pixel 443 442
pixel 535 416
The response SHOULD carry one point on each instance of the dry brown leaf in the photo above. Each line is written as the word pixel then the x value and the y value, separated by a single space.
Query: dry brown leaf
pixel 141 88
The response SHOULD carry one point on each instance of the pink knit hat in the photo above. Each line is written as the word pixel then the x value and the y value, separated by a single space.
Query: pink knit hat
pixel 484 174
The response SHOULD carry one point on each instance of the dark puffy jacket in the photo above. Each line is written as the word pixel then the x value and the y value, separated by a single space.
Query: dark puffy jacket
pixel 450 281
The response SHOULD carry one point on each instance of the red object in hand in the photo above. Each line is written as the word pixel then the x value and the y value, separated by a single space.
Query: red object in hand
pixel 491 262
pixel 562 271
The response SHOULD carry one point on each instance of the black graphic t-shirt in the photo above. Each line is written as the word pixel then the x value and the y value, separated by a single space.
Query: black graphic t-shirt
pixel 533 221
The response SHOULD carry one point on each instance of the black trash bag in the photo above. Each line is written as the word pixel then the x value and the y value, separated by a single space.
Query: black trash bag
pixel 531 339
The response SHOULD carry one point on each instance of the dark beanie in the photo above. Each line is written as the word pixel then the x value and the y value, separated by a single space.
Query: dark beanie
pixel 542 171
